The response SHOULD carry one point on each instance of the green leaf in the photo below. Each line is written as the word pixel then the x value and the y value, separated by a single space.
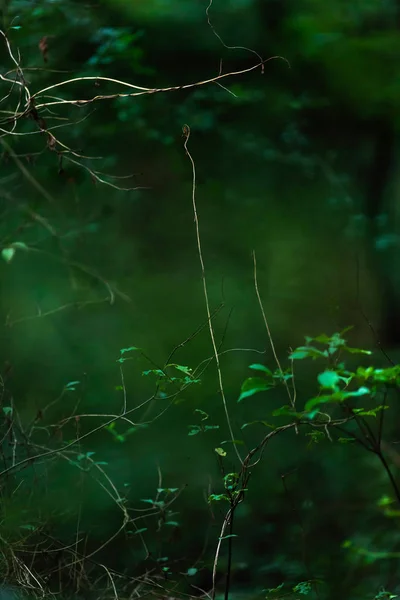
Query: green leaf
pixel 8 254
pixel 252 386
pixel 258 367
pixel 226 537
pixel 220 451
pixel 286 411
pixel 203 414
pixel 192 571
pixel 385 500
pixel 186 370
pixel 298 355
pixel 217 498
pixel 139 531
pixel 125 350
pixel 71 386
pixel 157 372
pixel 334 398
pixel 311 415
pixel 209 427
pixel 307 352
pixel 322 339
pixel 303 588
pixel 7 410
pixel 362 391
pixel 194 430
pixel 329 379
pixel 369 413
pixel 356 350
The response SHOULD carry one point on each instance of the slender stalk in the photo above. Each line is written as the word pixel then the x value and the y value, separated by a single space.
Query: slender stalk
pixel 230 550
pixel 390 475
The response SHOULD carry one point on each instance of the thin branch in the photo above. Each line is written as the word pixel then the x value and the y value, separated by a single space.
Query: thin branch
pixel 186 132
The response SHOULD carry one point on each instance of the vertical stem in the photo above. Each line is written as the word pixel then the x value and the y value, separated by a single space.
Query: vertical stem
pixel 230 550
pixel 390 475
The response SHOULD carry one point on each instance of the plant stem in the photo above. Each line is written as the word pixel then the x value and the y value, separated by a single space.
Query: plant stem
pixel 230 549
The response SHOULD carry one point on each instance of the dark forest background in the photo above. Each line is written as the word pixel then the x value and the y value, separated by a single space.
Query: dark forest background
pixel 298 162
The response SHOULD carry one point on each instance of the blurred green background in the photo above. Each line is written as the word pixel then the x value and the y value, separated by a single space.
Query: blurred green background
pixel 299 164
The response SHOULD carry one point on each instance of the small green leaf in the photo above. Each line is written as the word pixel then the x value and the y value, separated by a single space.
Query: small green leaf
pixel 311 415
pixel 303 588
pixel 258 367
pixel 203 414
pixel 362 391
pixel 356 350
pixel 192 571
pixel 307 352
pixel 8 254
pixel 252 386
pixel 71 386
pixel 7 410
pixel 194 430
pixel 139 531
pixel 310 404
pixel 183 369
pixel 335 398
pixel 322 339
pixel 220 451
pixel 385 500
pixel 298 355
pixel 286 411
pixel 157 372
pixel 329 379
pixel 125 350
pixel 217 498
